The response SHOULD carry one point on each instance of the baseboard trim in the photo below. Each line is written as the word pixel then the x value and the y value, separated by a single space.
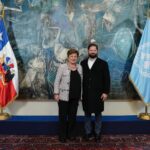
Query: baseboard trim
pixel 48 125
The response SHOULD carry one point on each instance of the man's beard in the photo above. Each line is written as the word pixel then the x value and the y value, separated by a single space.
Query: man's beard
pixel 92 55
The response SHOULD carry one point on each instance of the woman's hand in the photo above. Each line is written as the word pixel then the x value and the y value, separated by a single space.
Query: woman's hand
pixel 56 97
pixel 104 96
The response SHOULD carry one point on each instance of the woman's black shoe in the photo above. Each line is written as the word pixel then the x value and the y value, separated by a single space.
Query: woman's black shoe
pixel 72 138
pixel 62 140
pixel 88 137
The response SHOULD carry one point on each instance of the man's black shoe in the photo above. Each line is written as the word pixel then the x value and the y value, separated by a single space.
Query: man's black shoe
pixel 97 138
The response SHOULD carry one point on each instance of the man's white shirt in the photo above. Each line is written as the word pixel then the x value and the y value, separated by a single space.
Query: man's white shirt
pixel 91 61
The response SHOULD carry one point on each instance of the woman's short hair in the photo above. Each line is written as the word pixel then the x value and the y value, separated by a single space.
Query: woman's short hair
pixel 72 51
pixel 92 44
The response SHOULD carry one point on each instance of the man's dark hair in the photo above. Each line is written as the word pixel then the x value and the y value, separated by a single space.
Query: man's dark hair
pixel 92 44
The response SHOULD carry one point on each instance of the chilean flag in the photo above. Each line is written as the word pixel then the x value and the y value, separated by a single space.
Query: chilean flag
pixel 8 69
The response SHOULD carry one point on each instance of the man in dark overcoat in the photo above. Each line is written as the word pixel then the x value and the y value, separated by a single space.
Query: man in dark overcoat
pixel 96 86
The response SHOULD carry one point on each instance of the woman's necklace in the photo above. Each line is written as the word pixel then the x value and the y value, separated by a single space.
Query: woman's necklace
pixel 72 67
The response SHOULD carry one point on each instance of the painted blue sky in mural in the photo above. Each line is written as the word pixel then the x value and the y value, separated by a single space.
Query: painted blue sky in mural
pixel 41 32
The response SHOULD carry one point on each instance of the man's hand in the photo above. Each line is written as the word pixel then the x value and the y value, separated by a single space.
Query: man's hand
pixel 104 96
pixel 56 97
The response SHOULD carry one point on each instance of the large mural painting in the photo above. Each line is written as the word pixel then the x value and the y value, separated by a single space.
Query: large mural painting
pixel 41 32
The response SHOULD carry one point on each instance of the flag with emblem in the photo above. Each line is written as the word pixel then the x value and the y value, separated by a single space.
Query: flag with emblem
pixel 8 69
pixel 140 71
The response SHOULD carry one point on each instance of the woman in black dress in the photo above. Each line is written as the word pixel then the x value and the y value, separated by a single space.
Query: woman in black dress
pixel 67 91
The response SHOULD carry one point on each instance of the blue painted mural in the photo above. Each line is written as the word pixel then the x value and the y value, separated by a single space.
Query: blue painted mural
pixel 41 32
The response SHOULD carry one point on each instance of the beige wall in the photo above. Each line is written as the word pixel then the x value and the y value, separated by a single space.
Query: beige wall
pixel 50 108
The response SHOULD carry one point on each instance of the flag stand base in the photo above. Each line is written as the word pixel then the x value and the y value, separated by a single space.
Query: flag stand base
pixel 4 116
pixel 144 116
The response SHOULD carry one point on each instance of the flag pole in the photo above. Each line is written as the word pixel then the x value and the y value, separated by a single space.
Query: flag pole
pixel 3 115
